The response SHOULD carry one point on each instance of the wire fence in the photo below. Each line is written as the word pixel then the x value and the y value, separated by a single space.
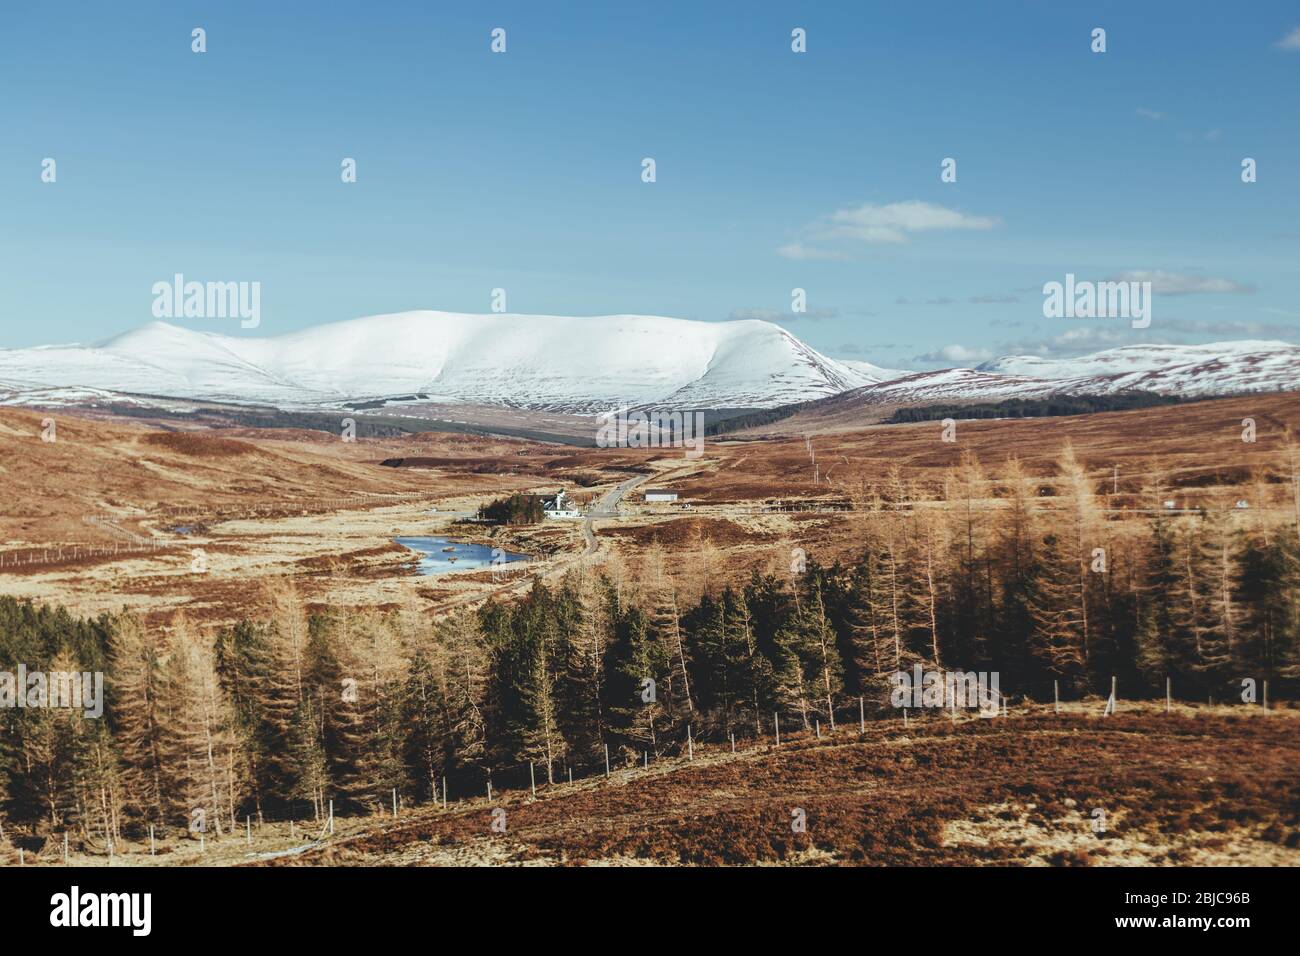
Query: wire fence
pixel 312 824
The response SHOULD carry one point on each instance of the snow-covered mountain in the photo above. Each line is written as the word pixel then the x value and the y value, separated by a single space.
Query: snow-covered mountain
pixel 1185 370
pixel 530 361
pixel 585 365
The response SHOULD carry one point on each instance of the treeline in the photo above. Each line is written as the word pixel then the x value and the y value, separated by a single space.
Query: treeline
pixel 1034 407
pixel 726 421
pixel 287 711
pixel 516 509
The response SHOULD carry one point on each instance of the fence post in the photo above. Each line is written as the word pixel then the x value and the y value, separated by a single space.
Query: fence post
pixel 776 722
pixel 733 742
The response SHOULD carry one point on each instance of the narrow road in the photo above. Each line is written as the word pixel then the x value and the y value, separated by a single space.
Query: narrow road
pixel 607 507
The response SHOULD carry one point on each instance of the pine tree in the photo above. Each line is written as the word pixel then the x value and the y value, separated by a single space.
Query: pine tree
pixel 195 722
pixel 134 686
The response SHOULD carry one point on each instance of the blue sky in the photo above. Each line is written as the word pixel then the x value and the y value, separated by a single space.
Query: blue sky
pixel 775 170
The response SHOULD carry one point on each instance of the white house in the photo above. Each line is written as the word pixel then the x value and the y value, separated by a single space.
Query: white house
pixel 660 494
pixel 560 507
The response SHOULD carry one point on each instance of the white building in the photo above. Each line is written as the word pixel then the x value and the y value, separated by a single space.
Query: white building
pixel 660 494
pixel 560 507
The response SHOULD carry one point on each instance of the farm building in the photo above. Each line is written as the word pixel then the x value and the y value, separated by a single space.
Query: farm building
pixel 660 494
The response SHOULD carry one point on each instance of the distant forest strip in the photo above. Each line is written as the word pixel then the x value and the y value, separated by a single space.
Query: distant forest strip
pixel 287 711
pixel 1034 407
pixel 367 425
pixel 754 418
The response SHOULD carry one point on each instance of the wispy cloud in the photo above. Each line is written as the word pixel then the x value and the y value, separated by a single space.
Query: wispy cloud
pixel 1289 42
pixel 895 222
pixel 870 223
pixel 1234 328
pixel 993 299
pixel 961 354
pixel 1079 340
pixel 1180 283
pixel 1145 113
pixel 800 251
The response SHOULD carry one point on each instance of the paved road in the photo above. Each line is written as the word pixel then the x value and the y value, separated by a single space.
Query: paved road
pixel 607 507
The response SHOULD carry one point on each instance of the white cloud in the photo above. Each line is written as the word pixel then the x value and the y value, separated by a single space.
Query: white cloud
pixel 1178 283
pixel 956 353
pixel 797 250
pixel 1149 114
pixel 1291 41
pixel 894 222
